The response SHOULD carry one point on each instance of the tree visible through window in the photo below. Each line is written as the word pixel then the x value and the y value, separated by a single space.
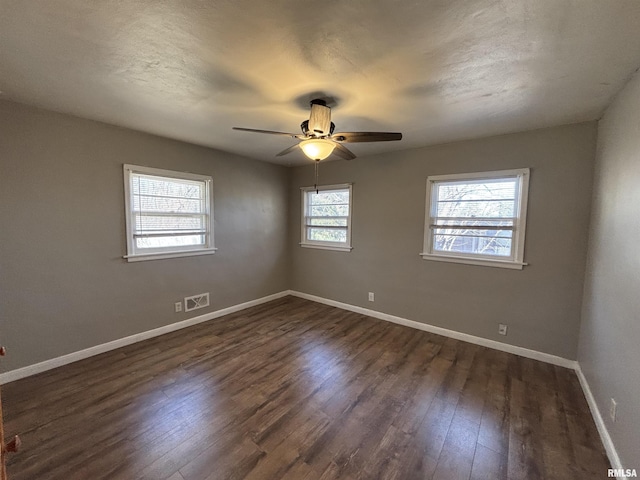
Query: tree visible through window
pixel 326 219
pixel 477 215
pixel 167 212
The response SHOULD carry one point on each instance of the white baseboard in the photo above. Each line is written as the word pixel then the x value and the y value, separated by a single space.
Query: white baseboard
pixel 612 454
pixel 27 371
pixel 597 418
pixel 609 446
pixel 485 342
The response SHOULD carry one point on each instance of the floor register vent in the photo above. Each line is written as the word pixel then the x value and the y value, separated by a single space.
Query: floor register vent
pixel 196 301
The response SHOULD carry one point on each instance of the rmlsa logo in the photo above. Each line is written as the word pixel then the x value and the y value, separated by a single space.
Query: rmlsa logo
pixel 623 473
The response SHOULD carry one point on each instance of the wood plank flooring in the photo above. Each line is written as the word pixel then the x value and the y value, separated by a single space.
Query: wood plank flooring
pixel 297 390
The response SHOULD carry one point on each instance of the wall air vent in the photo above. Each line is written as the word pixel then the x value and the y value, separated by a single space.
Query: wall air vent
pixel 196 301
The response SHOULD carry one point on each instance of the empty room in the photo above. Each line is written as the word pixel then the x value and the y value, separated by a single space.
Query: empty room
pixel 312 241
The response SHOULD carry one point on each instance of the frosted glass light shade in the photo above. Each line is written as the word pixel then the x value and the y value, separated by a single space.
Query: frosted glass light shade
pixel 317 148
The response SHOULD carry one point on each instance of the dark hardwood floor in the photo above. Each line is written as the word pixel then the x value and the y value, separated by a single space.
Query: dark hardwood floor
pixel 298 390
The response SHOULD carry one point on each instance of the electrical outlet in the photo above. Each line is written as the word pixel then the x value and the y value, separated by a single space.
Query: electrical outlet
pixel 613 410
pixel 372 296
pixel 502 329
pixel 178 306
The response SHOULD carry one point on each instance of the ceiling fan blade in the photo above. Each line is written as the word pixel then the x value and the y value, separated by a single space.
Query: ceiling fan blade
pixel 288 150
pixel 354 137
pixel 320 118
pixel 270 132
pixel 343 152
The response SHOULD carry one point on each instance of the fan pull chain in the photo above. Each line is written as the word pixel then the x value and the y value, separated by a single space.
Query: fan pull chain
pixel 315 185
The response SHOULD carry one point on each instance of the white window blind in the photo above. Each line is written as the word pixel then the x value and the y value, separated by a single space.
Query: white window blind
pixel 477 216
pixel 167 212
pixel 326 219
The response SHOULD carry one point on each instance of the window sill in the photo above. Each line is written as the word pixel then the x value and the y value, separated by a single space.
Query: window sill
pixel 327 247
pixel 162 255
pixel 474 261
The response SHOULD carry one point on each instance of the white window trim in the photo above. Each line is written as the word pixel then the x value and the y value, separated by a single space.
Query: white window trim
pixel 519 229
pixel 131 256
pixel 340 247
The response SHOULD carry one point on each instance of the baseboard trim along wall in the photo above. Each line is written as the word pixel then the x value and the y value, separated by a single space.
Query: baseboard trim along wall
pixel 609 446
pixel 29 370
pixel 485 342
pixel 612 453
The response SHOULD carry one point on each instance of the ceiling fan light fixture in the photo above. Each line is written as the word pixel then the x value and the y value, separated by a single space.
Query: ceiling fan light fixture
pixel 318 140
pixel 317 148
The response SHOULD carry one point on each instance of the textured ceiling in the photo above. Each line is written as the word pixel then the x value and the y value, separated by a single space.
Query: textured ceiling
pixel 438 71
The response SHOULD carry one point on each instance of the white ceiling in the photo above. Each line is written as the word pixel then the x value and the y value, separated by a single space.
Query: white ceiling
pixel 437 71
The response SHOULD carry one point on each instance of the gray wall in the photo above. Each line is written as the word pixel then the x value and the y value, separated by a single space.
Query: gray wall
pixel 541 304
pixel 610 333
pixel 63 283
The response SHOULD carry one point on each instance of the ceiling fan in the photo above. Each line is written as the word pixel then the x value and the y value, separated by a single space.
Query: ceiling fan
pixel 318 140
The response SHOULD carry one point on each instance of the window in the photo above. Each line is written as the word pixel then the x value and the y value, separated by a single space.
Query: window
pixel 326 217
pixel 169 214
pixel 477 218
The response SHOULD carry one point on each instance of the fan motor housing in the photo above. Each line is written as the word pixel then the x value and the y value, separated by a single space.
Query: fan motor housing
pixel 304 126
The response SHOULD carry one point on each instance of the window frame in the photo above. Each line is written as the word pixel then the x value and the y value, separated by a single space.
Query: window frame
pixel 133 254
pixel 338 246
pixel 516 261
